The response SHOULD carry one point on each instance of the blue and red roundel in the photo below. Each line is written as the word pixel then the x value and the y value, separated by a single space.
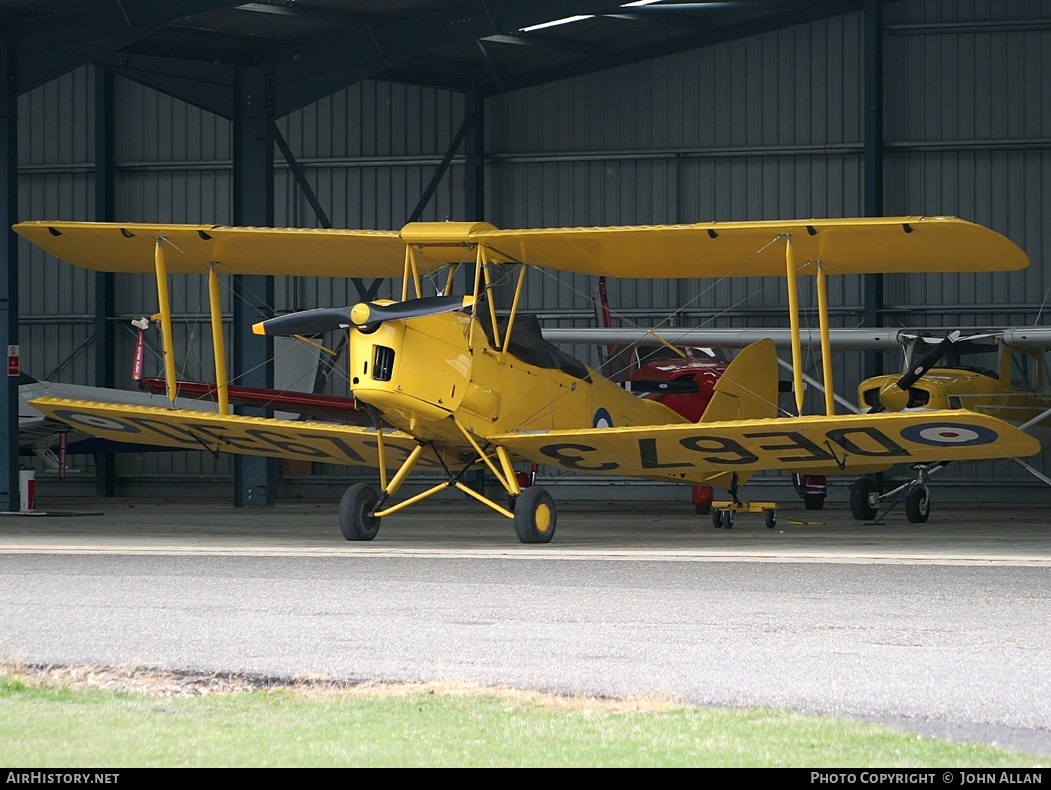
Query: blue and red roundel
pixel 949 434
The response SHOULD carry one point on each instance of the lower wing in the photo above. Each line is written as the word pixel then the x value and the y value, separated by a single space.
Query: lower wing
pixel 331 443
pixel 837 445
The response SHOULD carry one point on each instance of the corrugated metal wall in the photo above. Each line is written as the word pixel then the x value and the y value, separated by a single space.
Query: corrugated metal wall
pixel 767 127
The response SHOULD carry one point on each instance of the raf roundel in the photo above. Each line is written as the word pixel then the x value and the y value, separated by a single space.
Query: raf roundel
pixel 95 421
pixel 948 434
pixel 602 419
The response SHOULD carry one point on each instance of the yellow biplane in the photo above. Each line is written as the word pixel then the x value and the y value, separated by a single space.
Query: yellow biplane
pixel 455 384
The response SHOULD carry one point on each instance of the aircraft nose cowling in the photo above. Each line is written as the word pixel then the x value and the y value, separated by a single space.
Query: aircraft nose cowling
pixel 414 372
pixel 892 397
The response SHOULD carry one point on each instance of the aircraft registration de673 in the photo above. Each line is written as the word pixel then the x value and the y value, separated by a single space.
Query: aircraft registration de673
pixel 1001 372
pixel 454 384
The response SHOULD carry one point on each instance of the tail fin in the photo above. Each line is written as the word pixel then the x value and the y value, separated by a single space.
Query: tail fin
pixel 746 391
pixel 748 388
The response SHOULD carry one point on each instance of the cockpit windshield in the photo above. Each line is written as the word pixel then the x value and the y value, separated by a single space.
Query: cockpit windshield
pixel 978 355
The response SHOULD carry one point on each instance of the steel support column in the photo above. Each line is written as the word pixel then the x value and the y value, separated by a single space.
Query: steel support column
pixel 873 165
pixel 9 498
pixel 474 151
pixel 474 191
pixel 255 478
pixel 105 468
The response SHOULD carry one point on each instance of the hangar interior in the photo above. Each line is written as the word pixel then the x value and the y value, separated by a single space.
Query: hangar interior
pixel 554 113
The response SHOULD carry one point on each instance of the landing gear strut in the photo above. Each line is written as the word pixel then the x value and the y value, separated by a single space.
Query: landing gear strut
pixel 865 500
pixel 532 510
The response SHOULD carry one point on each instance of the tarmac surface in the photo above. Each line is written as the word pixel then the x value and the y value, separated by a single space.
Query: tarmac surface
pixel 958 534
pixel 941 628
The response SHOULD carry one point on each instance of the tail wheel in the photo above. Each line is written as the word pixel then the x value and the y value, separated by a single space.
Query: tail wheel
pixel 860 505
pixel 535 516
pixel 728 519
pixel 354 508
pixel 717 518
pixel 770 519
pixel 918 506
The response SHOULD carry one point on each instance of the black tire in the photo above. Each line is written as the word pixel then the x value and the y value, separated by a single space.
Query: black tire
pixel 813 502
pixel 728 519
pixel 918 506
pixel 860 507
pixel 703 510
pixel 354 508
pixel 717 518
pixel 770 519
pixel 535 516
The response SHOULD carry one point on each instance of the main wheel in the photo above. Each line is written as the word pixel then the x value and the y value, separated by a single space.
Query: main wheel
pixel 770 519
pixel 813 502
pixel 717 518
pixel 860 506
pixel 728 519
pixel 535 516
pixel 918 506
pixel 354 508
pixel 702 510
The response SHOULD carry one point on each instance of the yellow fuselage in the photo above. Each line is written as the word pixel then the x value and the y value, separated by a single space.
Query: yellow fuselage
pixel 428 373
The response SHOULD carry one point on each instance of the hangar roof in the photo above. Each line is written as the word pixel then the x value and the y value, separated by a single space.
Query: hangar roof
pixel 315 47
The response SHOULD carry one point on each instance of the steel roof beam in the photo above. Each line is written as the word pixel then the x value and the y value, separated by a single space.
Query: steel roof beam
pixel 50 45
pixel 693 41
pixel 205 85
pixel 308 73
pixel 547 42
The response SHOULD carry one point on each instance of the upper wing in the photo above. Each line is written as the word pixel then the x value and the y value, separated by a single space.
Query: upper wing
pixel 715 249
pixel 129 247
pixel 747 249
pixel 838 445
pixel 189 430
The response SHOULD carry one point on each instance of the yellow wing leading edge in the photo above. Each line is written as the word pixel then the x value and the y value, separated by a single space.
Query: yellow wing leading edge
pixel 714 249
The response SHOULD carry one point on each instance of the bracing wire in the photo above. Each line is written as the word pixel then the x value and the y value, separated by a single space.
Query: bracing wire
pixel 567 397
